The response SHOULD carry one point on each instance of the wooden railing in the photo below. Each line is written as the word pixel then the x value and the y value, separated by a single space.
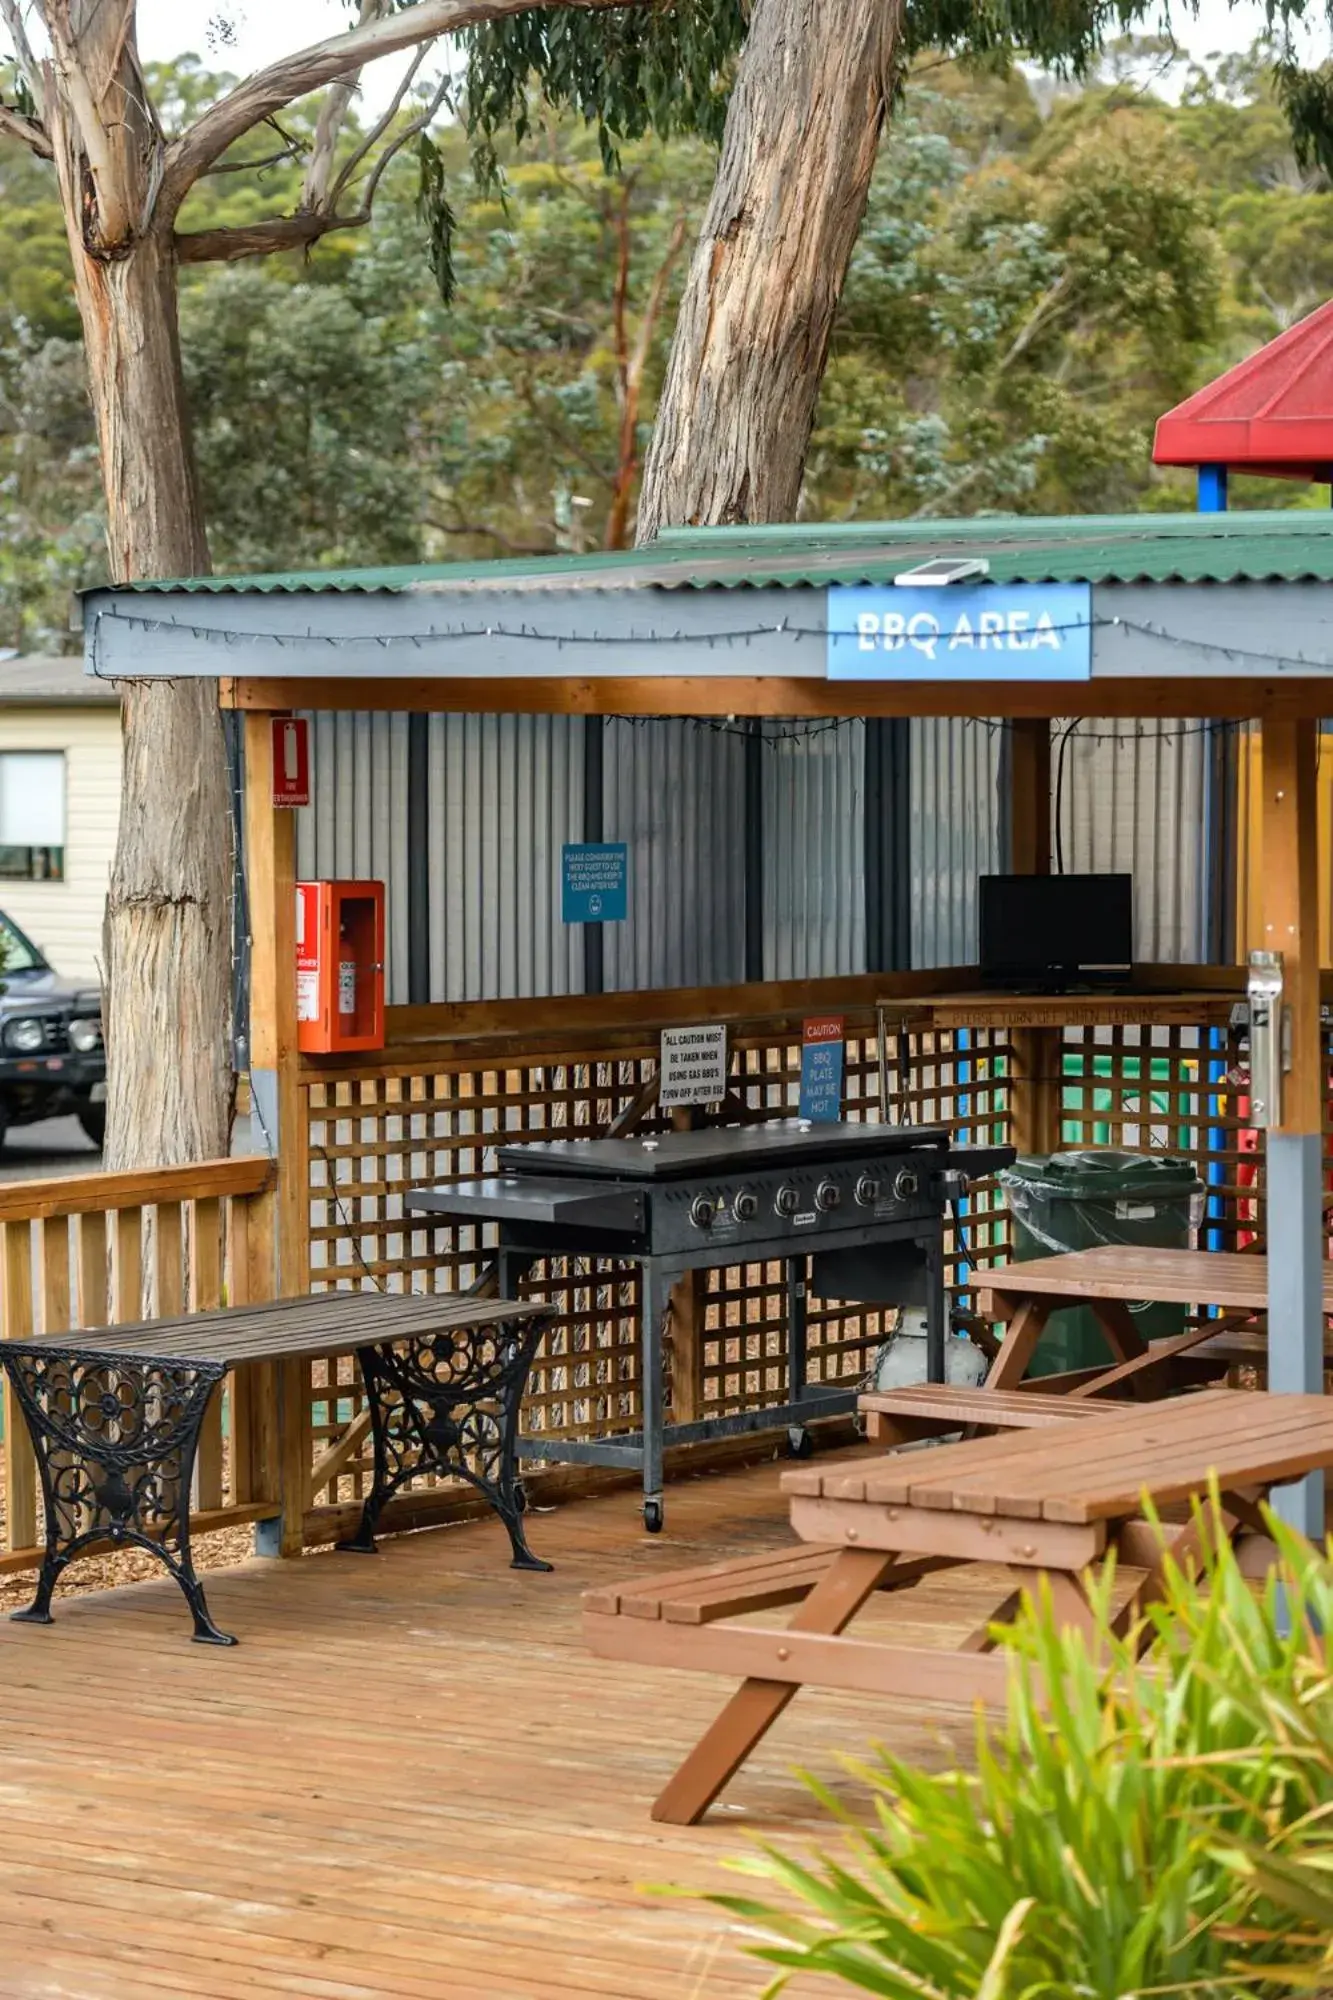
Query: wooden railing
pixel 105 1249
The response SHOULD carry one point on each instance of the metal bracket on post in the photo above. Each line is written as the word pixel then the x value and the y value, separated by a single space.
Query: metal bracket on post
pixel 1270 1039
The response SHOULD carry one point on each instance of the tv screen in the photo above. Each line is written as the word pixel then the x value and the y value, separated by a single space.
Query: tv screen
pixel 1043 926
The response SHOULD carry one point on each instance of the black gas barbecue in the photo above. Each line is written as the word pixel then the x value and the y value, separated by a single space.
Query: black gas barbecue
pixel 856 1212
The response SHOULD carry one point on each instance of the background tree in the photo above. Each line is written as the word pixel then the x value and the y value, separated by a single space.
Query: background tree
pixel 496 418
pixel 81 98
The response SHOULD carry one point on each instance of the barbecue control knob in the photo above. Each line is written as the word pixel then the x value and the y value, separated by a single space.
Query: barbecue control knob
pixel 702 1210
pixel 787 1199
pixel 868 1191
pixel 745 1207
pixel 906 1185
pixel 827 1195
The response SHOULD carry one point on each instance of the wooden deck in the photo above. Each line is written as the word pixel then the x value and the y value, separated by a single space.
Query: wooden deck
pixel 409 1779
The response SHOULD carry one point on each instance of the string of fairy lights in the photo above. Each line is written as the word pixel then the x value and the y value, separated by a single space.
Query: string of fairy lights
pixel 770 732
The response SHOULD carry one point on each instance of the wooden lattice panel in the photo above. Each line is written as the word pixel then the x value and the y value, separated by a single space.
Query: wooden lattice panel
pixel 373 1135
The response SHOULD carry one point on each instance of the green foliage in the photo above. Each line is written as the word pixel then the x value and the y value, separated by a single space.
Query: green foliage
pixel 433 209
pixel 304 397
pixel 656 68
pixel 1158 1828
pixel 1043 269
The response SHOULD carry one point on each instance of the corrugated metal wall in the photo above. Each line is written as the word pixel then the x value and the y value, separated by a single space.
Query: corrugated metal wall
pixel 502 795
pixel 675 792
pixel 955 833
pixel 1132 800
pixel 814 887
pixel 355 827
pixel 505 794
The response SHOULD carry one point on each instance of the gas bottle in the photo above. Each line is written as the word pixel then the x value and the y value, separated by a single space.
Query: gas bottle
pixel 902 1362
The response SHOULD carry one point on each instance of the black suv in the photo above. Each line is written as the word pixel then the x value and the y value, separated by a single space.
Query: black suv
pixel 52 1058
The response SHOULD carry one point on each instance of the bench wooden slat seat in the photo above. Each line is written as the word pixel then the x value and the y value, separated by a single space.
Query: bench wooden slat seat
pixel 928 1409
pixel 729 1589
pixel 115 1413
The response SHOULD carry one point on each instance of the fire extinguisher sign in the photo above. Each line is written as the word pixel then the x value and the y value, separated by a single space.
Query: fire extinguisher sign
pixel 307 951
pixel 291 760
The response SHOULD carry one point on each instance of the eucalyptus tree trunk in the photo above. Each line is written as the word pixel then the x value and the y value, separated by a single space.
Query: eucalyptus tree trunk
pixel 737 407
pixel 167 936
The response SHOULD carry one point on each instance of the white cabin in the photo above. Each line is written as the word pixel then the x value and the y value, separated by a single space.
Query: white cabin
pixel 59 806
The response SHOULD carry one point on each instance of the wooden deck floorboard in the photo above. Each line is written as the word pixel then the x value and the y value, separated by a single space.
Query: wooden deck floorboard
pixel 409 1779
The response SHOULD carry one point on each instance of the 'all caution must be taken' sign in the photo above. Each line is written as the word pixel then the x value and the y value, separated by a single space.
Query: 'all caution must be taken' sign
pixel 693 1066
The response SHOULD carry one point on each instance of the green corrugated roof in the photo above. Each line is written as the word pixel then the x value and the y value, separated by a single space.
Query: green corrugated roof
pixel 1285 546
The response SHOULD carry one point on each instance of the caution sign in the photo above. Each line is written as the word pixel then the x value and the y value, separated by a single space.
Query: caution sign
pixel 692 1066
pixel 822 1052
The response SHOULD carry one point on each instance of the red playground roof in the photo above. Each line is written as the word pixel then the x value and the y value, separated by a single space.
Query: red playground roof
pixel 1272 413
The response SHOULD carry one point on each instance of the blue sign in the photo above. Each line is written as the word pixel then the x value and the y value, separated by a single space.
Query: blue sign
pixel 596 883
pixel 961 632
pixel 821 1082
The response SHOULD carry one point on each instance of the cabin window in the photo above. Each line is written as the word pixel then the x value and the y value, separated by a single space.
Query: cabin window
pixel 32 815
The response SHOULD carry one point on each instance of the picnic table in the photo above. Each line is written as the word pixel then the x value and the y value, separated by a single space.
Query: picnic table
pixel 115 1414
pixel 1111 1278
pixel 1054 1506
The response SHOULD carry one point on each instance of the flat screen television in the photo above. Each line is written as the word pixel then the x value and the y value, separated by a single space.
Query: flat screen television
pixel 1055 931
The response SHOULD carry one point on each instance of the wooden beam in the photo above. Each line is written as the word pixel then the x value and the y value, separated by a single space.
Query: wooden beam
pixel 1030 797
pixel 1236 696
pixel 761 1002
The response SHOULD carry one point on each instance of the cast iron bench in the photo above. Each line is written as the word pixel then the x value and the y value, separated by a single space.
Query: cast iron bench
pixel 115 1415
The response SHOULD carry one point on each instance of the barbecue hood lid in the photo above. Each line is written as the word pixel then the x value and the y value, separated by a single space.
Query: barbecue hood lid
pixel 722 1149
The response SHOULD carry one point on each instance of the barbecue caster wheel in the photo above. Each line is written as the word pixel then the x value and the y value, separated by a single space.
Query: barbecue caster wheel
pixel 800 1444
pixel 654 1516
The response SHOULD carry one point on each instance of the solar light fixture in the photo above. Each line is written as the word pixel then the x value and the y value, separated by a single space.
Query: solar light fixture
pixel 944 569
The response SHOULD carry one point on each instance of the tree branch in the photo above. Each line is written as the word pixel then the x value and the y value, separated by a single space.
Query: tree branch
pixel 11 13
pixel 395 146
pixel 261 239
pixel 378 131
pixel 297 75
pixel 632 367
pixel 479 529
pixel 304 229
pixel 15 125
pixel 332 116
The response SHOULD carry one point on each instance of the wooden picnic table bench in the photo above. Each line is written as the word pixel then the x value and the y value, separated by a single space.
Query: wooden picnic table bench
pixel 1051 1507
pixel 115 1414
pixel 1110 1279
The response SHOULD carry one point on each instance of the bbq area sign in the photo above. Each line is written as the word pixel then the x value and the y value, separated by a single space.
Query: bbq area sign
pixel 957 632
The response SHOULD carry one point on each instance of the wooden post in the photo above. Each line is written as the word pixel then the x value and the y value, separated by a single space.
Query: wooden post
pixel 1035 1093
pixel 1295 1144
pixel 1030 797
pixel 20 1466
pixel 689 1315
pixel 1035 1089
pixel 270 868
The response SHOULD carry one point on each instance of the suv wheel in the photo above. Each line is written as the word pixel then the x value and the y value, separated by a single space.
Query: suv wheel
pixel 92 1117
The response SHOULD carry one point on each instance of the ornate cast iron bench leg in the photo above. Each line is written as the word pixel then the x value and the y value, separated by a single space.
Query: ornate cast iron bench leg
pixel 115 1437
pixel 449 1404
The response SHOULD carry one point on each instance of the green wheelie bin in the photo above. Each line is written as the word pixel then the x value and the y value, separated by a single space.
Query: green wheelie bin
pixel 1076 1200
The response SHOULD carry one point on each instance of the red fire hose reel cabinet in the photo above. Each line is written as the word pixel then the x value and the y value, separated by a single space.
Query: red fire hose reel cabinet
pixel 339 966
